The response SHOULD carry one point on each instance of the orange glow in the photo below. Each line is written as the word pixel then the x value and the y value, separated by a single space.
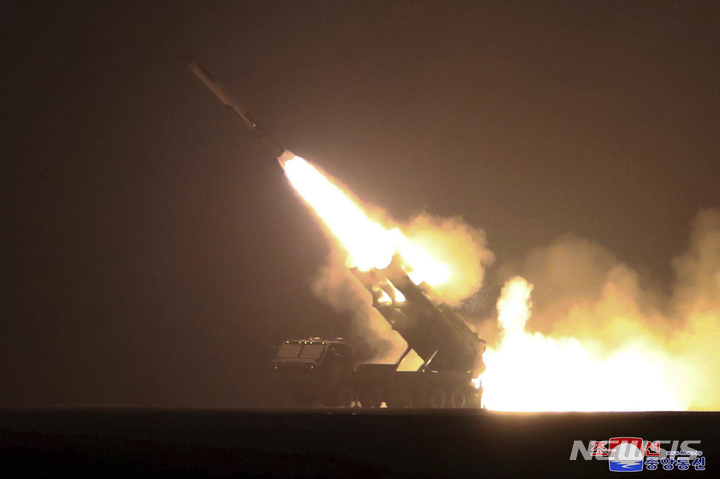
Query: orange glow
pixel 532 372
pixel 369 244
pixel 581 367
pixel 384 298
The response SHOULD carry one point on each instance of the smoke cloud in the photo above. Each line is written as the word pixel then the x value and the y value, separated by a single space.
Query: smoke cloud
pixel 372 336
pixel 582 295
pixel 583 291
pixel 449 240
pixel 458 245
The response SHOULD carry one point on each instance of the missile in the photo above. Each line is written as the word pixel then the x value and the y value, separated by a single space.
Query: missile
pixel 234 105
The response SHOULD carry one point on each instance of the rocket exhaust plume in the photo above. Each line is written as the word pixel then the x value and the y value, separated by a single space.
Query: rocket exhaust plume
pixel 401 271
pixel 606 354
pixel 600 341
pixel 369 245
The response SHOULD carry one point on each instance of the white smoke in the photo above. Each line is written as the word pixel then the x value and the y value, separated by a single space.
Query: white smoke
pixel 583 291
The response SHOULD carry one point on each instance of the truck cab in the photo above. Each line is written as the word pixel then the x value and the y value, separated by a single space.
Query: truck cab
pixel 316 372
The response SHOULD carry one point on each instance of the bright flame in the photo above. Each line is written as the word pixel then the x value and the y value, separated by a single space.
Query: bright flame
pixel 389 294
pixel 423 265
pixel 384 297
pixel 399 297
pixel 525 371
pixel 368 243
pixel 532 372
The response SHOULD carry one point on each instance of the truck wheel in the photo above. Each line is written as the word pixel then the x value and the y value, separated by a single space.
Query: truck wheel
pixel 340 396
pixel 344 396
pixel 372 398
pixel 437 398
pixel 457 399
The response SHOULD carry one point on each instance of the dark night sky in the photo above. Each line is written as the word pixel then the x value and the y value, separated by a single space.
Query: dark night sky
pixel 153 251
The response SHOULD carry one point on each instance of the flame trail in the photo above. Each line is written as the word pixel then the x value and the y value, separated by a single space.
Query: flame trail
pixel 369 245
pixel 604 354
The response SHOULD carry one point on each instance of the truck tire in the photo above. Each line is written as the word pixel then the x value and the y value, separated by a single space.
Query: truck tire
pixel 341 396
pixel 457 398
pixel 437 398
pixel 346 396
pixel 372 398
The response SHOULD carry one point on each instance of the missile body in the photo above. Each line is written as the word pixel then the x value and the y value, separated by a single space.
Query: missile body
pixel 235 106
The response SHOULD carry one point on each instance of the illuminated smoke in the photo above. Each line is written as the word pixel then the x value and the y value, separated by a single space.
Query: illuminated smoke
pixel 586 335
pixel 447 254
pixel 335 285
pixel 533 372
pixel 582 292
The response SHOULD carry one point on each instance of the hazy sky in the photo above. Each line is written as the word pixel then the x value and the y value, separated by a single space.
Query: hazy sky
pixel 154 252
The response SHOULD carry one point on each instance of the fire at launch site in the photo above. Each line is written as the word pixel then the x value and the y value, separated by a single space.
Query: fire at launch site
pixel 617 351
pixel 598 339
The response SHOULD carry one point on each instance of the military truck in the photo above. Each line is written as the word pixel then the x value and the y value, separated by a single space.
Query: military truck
pixel 323 372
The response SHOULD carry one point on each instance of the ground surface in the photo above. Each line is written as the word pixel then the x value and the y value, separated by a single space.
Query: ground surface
pixel 153 443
